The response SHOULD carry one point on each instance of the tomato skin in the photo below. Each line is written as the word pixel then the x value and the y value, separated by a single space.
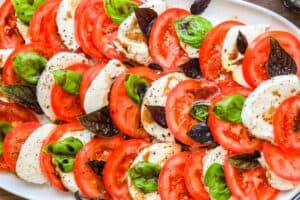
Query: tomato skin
pixel 171 183
pixel 90 184
pixel 193 173
pixel 66 106
pixel 125 113
pixel 164 44
pixel 117 165
pixel 9 33
pixel 211 49
pixel 179 103
pixel 249 184
pixel 14 140
pixel 257 54
pixel 47 166
pixel 232 136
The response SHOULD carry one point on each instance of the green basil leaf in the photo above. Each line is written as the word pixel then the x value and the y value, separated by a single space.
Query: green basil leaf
pixel 67 146
pixel 4 129
pixel 64 163
pixel 230 108
pixel 214 179
pixel 199 110
pixel 119 10
pixel 136 87
pixel 68 80
pixel 280 62
pixel 99 122
pixel 26 8
pixel 23 94
pixel 192 29
pixel 146 185
pixel 245 161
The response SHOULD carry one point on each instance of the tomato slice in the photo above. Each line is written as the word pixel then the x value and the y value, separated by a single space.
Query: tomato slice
pixel 91 184
pixel 286 123
pixel 257 55
pixel 232 136
pixel 211 49
pixel 117 166
pixel 171 183
pixel 47 166
pixel 164 44
pixel 179 103
pixel 284 164
pixel 249 184
pixel 67 106
pixel 14 140
pixel 10 36
pixel 193 173
pixel 3 165
pixel 125 113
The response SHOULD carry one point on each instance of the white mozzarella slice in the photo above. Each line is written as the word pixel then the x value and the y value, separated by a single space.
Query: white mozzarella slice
pixel 231 58
pixel 259 107
pixel 157 153
pixel 96 96
pixel 190 51
pixel 131 40
pixel 216 155
pixel 46 81
pixel 65 20
pixel 157 95
pixel 28 163
pixel 4 54
pixel 24 30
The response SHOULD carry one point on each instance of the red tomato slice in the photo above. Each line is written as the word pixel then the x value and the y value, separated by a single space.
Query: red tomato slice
pixel 249 184
pixel 171 183
pixel 211 49
pixel 86 16
pixel 47 166
pixel 9 33
pixel 193 173
pixel 286 123
pixel 67 106
pixel 179 103
pixel 232 136
pixel 43 29
pixel 257 55
pixel 126 114
pixel 91 184
pixel 164 44
pixel 284 164
pixel 14 140
pixel 3 165
pixel 117 166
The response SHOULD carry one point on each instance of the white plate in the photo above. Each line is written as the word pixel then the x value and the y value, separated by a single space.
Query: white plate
pixel 218 11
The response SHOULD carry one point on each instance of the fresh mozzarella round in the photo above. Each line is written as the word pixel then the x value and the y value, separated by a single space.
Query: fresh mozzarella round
pixel 65 20
pixel 157 95
pixel 231 57
pixel 131 40
pixel 24 30
pixel 192 52
pixel 46 81
pixel 216 155
pixel 259 107
pixel 28 163
pixel 68 179
pixel 157 153
pixel 96 96
pixel 4 54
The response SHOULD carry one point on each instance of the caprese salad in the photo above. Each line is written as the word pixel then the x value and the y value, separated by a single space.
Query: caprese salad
pixel 132 99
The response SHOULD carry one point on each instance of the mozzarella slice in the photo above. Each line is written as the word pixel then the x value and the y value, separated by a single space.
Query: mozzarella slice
pixel 216 155
pixel 96 96
pixel 190 51
pixel 24 30
pixel 28 163
pixel 131 40
pixel 4 54
pixel 68 179
pixel 157 95
pixel 157 153
pixel 46 81
pixel 231 58
pixel 259 107
pixel 65 20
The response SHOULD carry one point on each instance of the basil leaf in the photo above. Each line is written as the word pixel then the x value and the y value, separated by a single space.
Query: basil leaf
pixel 158 114
pixel 4 129
pixel 199 6
pixel 155 67
pixel 23 94
pixel 145 18
pixel 280 62
pixel 242 43
pixel 68 80
pixel 245 161
pixel 97 166
pixel 99 122
pixel 136 87
pixel 192 29
pixel 67 146
pixel 201 133
pixel 214 179
pixel 26 8
pixel 199 110
pixel 64 163
pixel 191 68
pixel 230 108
